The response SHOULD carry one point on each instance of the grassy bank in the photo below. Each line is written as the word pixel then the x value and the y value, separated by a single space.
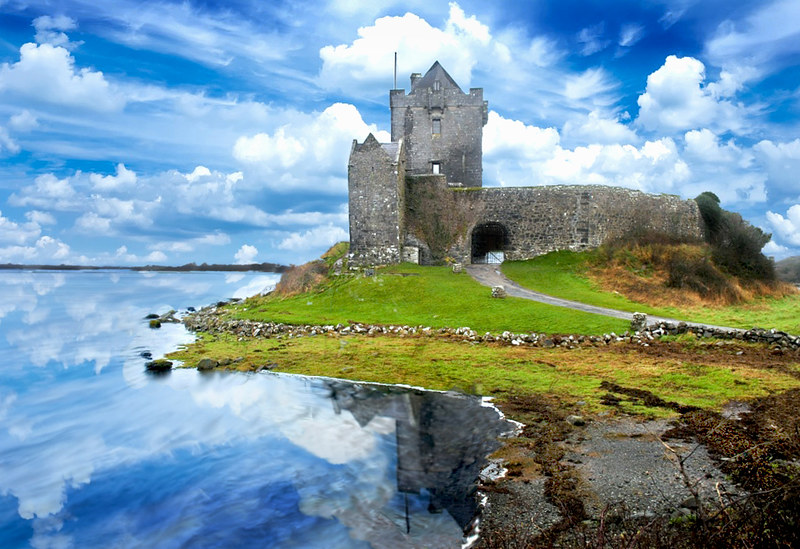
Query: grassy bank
pixel 576 276
pixel 414 295
pixel 687 372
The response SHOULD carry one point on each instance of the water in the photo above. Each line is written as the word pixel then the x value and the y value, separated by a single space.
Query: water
pixel 95 452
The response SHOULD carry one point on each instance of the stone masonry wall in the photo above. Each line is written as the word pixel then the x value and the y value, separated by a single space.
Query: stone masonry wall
pixel 376 185
pixel 458 146
pixel 543 219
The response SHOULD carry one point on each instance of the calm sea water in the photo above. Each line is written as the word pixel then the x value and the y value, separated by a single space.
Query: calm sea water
pixel 95 452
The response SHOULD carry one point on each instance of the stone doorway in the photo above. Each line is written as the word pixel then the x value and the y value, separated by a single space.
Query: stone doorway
pixel 489 241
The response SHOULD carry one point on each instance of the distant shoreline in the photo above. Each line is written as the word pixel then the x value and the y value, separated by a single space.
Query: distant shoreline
pixel 189 267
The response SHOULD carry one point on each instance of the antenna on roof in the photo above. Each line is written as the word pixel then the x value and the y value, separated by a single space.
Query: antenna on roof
pixel 395 71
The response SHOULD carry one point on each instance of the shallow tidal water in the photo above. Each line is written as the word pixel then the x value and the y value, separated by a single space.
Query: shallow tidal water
pixel 95 452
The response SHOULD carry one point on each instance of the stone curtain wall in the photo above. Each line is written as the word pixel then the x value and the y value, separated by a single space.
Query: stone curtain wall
pixel 458 147
pixel 437 220
pixel 376 184
pixel 543 219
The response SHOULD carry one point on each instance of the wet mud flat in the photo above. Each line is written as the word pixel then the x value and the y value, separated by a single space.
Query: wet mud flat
pixel 729 479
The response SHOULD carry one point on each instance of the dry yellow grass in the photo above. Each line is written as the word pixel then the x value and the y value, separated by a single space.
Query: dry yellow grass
pixel 642 273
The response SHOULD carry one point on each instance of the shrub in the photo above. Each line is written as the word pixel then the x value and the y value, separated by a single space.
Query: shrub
pixel 736 244
pixel 302 278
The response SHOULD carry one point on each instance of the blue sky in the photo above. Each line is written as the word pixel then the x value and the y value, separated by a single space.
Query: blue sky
pixel 167 132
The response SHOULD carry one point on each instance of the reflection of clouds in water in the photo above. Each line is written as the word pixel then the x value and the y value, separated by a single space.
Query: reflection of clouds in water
pixel 47 435
pixel 259 285
pixel 186 284
pixel 19 291
pixel 233 278
pixel 62 426
pixel 63 450
pixel 309 421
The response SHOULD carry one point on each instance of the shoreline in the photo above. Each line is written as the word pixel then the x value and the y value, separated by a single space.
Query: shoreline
pixel 552 491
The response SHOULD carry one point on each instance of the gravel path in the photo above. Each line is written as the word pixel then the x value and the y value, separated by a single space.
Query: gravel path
pixel 490 275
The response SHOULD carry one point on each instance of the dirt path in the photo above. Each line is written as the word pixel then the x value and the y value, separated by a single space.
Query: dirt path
pixel 490 275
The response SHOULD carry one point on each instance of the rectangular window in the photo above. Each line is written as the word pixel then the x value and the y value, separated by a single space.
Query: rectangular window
pixel 437 125
pixel 436 168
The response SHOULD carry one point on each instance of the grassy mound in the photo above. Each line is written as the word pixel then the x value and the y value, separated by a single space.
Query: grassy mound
pixel 310 276
pixel 408 295
pixel 677 280
pixel 667 273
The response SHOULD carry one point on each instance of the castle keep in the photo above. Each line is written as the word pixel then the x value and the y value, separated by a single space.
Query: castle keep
pixel 420 197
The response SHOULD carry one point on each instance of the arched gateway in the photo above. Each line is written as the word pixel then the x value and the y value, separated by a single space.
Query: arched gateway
pixel 489 242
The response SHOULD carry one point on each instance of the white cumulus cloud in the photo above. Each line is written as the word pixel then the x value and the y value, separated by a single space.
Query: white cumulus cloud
pixel 45 250
pixel 320 237
pixel 782 162
pixel 48 73
pixel 246 254
pixel 788 227
pixel 49 30
pixel 124 177
pixel 310 153
pixel 16 233
pixel 676 99
pixel 370 57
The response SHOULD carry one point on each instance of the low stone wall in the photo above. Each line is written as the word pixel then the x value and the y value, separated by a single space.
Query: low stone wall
pixel 210 320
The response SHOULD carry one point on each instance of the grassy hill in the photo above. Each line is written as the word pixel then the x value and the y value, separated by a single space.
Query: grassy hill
pixel 673 280
pixel 412 295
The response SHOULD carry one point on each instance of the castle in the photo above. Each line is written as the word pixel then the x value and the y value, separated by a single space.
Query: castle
pixel 420 197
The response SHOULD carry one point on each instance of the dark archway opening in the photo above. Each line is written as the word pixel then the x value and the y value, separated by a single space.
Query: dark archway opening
pixel 489 242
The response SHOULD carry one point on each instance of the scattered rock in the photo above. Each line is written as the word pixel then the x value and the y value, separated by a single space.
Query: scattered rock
pixel 146 354
pixel 151 316
pixel 577 421
pixel 210 320
pixel 155 323
pixel 206 364
pixel 160 365
pixel 639 322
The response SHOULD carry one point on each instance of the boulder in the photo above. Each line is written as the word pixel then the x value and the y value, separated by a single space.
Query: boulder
pixel 159 365
pixel 206 364
pixel 499 292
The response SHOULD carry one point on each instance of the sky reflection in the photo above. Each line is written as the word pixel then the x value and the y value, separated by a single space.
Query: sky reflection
pixel 95 451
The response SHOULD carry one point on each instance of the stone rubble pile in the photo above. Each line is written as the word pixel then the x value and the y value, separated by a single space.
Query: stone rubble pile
pixel 214 320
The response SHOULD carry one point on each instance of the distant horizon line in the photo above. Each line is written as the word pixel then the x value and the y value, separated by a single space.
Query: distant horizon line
pixel 187 267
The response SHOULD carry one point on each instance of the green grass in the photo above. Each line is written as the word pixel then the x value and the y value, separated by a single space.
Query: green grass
pixel 563 274
pixel 414 295
pixel 695 378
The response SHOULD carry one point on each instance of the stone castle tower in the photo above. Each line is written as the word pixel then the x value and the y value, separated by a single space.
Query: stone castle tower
pixel 421 198
pixel 441 126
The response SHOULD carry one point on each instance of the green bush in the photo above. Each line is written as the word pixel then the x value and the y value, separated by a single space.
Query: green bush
pixel 736 244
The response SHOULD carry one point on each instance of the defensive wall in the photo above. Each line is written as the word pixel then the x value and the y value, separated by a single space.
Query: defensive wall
pixel 463 224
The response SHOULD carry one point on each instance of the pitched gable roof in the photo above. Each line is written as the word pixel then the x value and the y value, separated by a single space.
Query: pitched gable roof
pixel 436 72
